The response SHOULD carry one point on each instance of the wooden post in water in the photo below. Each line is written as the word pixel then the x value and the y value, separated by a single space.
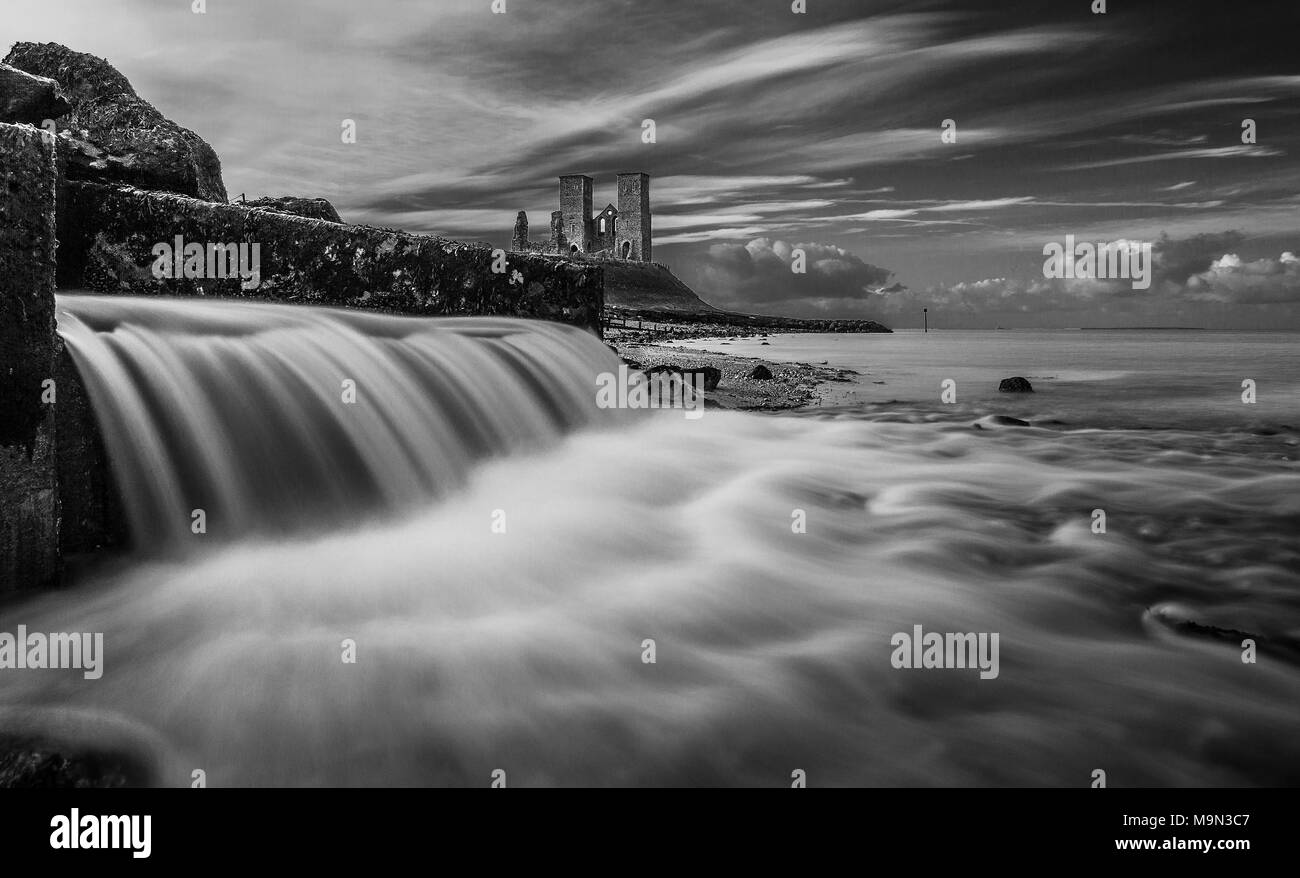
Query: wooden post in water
pixel 925 318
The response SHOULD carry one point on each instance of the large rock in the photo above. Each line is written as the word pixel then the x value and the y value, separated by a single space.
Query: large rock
pixel 312 208
pixel 28 98
pixel 711 375
pixel 114 135
pixel 1015 385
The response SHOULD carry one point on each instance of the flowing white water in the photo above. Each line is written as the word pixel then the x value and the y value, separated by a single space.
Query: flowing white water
pixel 275 417
pixel 522 650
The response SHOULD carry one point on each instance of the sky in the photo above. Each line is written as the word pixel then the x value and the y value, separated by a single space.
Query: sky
pixel 775 132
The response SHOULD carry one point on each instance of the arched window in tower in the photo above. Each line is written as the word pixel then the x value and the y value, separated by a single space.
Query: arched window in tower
pixel 602 225
pixel 627 249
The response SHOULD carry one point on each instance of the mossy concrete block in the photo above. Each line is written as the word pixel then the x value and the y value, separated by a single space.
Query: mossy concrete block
pixel 108 236
pixel 29 507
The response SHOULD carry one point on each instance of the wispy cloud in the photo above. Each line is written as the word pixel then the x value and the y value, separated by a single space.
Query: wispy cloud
pixel 773 126
pixel 1220 152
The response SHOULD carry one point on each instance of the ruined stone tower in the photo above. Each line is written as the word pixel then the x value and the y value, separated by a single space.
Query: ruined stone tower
pixel 634 217
pixel 621 232
pixel 604 230
pixel 557 243
pixel 519 241
pixel 575 204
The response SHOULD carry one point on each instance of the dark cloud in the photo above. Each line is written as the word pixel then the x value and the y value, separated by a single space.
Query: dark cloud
pixel 1176 261
pixel 760 276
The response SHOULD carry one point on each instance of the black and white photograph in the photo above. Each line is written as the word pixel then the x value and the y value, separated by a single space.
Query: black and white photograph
pixel 641 394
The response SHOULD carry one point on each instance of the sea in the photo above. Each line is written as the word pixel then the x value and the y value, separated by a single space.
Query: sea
pixel 1130 379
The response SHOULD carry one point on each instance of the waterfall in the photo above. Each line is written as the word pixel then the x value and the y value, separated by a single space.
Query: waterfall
pixel 276 418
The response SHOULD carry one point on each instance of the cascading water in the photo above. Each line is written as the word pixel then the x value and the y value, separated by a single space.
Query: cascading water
pixel 273 418
pixel 522 649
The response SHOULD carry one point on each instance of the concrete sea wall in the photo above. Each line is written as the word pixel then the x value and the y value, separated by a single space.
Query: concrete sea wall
pixel 107 236
pixel 57 498
pixel 29 502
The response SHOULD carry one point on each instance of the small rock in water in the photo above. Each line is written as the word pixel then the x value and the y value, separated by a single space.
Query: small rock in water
pixel 999 421
pixel 761 372
pixel 1182 620
pixel 1015 385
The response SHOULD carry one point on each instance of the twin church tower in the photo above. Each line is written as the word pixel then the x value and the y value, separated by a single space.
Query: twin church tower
pixel 621 232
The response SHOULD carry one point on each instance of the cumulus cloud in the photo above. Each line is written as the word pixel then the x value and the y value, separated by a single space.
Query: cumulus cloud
pixel 1230 279
pixel 1199 270
pixel 759 276
pixel 1177 260
pixel 1189 274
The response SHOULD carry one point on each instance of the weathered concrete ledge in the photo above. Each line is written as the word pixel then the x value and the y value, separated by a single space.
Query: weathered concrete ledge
pixel 107 236
pixel 29 502
pixel 57 498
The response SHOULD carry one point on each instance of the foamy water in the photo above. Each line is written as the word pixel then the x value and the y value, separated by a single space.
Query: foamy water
pixel 523 651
